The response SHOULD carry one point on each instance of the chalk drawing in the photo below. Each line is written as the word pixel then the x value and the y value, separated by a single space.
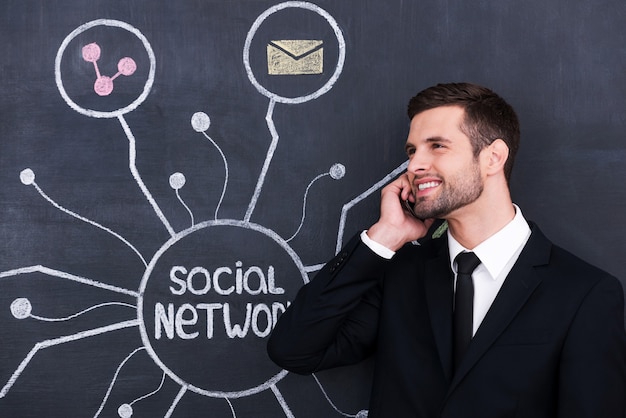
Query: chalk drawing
pixel 62 340
pixel 177 181
pixel 27 176
pixel 286 100
pixel 336 172
pixel 21 308
pixel 361 197
pixel 360 414
pixel 295 57
pixel 125 410
pixel 263 278
pixel 340 59
pixel 200 122
pixel 103 86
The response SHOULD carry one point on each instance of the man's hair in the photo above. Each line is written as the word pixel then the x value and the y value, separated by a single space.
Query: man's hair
pixel 487 116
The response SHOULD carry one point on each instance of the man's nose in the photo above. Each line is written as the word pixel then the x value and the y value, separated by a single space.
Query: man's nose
pixel 419 161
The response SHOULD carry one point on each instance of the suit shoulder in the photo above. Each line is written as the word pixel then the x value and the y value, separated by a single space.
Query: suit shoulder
pixel 569 267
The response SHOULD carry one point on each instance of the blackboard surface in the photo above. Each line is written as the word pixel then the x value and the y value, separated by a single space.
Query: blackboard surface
pixel 172 172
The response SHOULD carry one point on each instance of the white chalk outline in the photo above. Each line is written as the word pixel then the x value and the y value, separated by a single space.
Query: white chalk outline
pixel 146 278
pixel 119 113
pixel 340 59
pixel 32 182
pixel 84 311
pixel 230 405
pixel 358 415
pixel 69 338
pixel 268 160
pixel 179 396
pixel 225 186
pixel 132 157
pixel 277 98
pixel 359 198
pixel 117 372
pixel 96 113
pixel 182 202
pixel 184 387
pixel 306 194
pixel 281 401
pixel 57 273
pixel 62 340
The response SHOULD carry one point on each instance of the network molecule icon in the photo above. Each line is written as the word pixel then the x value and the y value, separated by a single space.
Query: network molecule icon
pixel 103 86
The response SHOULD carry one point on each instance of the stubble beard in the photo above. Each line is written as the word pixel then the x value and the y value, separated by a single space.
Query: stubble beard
pixel 461 190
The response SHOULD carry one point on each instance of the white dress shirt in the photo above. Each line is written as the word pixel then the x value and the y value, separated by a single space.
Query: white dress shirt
pixel 497 255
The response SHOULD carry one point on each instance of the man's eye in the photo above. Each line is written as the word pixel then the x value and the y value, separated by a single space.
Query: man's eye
pixel 410 151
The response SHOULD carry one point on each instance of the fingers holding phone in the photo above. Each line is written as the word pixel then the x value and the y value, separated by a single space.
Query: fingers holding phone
pixel 408 206
pixel 398 223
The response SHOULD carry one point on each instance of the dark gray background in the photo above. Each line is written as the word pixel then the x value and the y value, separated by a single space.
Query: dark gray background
pixel 560 63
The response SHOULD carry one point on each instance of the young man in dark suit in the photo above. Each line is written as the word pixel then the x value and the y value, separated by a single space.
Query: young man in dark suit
pixel 528 330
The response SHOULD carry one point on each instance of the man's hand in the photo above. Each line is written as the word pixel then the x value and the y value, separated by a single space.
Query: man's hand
pixel 396 225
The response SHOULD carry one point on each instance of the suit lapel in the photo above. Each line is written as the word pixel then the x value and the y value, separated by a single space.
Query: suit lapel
pixel 438 284
pixel 517 288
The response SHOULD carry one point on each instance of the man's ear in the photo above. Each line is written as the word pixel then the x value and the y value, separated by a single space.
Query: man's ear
pixel 497 154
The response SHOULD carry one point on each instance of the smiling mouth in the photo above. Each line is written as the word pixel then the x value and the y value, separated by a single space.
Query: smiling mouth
pixel 428 185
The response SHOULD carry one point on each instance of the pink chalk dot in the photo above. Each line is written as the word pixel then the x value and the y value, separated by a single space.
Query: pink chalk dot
pixel 91 52
pixel 103 86
pixel 126 66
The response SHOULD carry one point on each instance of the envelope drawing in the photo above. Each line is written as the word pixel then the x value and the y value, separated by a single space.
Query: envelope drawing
pixel 295 57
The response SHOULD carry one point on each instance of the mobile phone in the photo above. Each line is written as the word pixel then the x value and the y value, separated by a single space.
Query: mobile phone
pixel 408 206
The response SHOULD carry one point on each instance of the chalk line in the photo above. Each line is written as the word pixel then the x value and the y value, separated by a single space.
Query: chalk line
pixel 306 193
pixel 359 198
pixel 62 340
pixel 225 170
pixel 28 178
pixel 117 372
pixel 179 396
pixel 268 160
pixel 56 273
pixel 84 311
pixel 132 156
pixel 282 402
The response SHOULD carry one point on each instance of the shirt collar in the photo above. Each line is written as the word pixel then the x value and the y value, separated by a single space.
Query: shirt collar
pixel 496 251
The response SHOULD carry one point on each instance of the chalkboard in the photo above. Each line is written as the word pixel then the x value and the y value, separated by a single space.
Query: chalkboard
pixel 173 172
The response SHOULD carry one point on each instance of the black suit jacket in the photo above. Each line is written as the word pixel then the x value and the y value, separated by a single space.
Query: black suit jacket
pixel 552 345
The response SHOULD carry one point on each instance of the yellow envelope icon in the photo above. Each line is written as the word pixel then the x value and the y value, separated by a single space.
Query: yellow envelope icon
pixel 295 57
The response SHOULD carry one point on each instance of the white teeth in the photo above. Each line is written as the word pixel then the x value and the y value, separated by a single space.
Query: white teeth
pixel 428 185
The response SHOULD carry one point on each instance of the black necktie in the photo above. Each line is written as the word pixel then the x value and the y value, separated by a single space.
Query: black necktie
pixel 463 304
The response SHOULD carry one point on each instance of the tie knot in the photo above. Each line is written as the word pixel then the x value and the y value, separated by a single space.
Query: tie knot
pixel 466 262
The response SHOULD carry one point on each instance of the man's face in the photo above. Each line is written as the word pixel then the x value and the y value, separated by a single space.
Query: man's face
pixel 443 172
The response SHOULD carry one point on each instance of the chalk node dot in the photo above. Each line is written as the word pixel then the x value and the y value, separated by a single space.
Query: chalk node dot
pixel 91 52
pixel 177 181
pixel 21 308
pixel 337 171
pixel 103 86
pixel 362 414
pixel 125 410
pixel 27 176
pixel 200 121
pixel 126 66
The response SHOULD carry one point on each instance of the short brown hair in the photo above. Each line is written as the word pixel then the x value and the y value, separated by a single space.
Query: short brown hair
pixel 487 116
